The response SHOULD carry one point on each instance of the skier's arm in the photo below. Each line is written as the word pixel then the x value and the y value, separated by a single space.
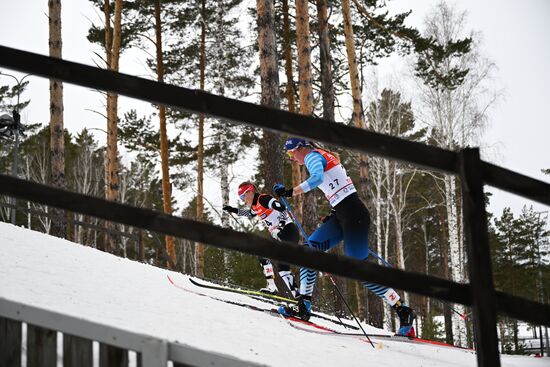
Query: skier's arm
pixel 315 164
pixel 268 201
pixel 246 213
pixel 240 212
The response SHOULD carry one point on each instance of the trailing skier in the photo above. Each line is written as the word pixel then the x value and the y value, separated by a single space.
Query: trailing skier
pixel 348 221
pixel 272 213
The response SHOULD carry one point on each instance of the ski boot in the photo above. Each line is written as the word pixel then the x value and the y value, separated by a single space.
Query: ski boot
pixel 270 288
pixel 406 318
pixel 288 278
pixel 301 310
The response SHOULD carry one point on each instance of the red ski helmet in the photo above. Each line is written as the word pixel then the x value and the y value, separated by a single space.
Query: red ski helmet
pixel 244 188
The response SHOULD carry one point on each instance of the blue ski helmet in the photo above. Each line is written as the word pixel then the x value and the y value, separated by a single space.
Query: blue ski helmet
pixel 295 143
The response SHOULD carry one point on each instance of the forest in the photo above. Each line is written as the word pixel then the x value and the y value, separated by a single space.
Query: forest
pixel 315 58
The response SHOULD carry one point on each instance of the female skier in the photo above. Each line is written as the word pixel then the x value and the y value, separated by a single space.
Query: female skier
pixel 349 221
pixel 273 215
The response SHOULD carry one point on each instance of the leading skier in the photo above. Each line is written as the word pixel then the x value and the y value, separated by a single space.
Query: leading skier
pixel 349 221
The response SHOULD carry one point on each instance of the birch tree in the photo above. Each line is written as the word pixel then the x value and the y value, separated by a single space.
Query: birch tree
pixel 457 116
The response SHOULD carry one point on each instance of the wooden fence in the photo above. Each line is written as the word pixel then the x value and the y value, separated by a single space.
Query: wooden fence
pixel 466 164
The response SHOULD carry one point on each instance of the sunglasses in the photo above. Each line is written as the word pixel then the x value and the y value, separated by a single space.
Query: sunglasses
pixel 241 196
pixel 291 153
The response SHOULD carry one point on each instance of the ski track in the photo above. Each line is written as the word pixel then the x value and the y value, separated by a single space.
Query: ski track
pixel 61 276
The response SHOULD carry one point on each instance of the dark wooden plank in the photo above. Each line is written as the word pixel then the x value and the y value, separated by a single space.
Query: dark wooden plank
pixel 41 347
pixel 523 309
pixel 77 352
pixel 233 240
pixel 231 109
pixel 10 342
pixel 479 259
pixel 110 356
pixel 516 183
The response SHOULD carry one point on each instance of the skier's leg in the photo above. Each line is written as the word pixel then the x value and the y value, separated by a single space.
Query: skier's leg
pixel 267 268
pixel 328 235
pixel 289 234
pixel 355 220
pixel 325 237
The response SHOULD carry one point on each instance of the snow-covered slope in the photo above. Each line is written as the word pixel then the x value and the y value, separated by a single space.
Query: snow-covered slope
pixel 61 276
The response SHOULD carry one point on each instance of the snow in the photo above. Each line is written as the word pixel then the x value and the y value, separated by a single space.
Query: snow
pixel 61 276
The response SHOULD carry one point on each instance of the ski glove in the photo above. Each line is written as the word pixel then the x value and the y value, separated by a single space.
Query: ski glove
pixel 230 209
pixel 281 191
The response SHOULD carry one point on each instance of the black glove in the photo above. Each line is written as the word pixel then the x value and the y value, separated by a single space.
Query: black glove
pixel 281 191
pixel 230 209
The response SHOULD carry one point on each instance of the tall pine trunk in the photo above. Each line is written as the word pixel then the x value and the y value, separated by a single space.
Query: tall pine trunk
pixel 57 145
pixel 289 93
pixel 271 167
pixel 166 187
pixel 327 93
pixel 112 46
pixel 305 93
pixel 357 115
pixel 200 248
pixel 327 85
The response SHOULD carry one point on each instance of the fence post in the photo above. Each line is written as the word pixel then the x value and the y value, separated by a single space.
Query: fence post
pixel 10 345
pixel 479 259
pixel 41 347
pixel 77 351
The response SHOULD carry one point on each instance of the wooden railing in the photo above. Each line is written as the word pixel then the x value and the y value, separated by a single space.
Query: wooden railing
pixel 466 164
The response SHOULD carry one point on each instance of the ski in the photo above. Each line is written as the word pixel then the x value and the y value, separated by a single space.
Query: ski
pixel 267 297
pixel 311 327
pixel 245 305
pixel 243 291
pixel 321 330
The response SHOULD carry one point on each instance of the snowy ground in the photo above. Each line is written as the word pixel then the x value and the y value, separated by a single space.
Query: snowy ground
pixel 61 276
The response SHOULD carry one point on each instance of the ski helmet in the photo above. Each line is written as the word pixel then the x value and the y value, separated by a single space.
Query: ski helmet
pixel 295 143
pixel 244 188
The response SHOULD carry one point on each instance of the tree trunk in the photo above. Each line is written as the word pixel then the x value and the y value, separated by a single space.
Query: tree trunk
pixel 57 145
pixel 289 93
pixel 271 167
pixel 200 247
pixel 357 115
pixel 166 187
pixel 112 46
pixel 445 271
pixel 327 86
pixel 459 331
pixel 305 93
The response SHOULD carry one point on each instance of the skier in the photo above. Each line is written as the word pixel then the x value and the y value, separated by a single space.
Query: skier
pixel 348 221
pixel 273 215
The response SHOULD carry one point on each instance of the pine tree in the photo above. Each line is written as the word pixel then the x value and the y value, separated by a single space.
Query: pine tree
pixel 56 114
pixel 271 168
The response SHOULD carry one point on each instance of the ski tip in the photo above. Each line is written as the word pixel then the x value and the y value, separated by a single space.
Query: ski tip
pixel 169 279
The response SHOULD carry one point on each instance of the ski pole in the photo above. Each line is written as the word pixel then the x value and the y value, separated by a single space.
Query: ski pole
pixel 289 208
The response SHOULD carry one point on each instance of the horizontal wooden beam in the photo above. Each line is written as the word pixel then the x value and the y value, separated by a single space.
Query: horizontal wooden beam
pixel 430 157
pixel 516 183
pixel 261 246
pixel 231 109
